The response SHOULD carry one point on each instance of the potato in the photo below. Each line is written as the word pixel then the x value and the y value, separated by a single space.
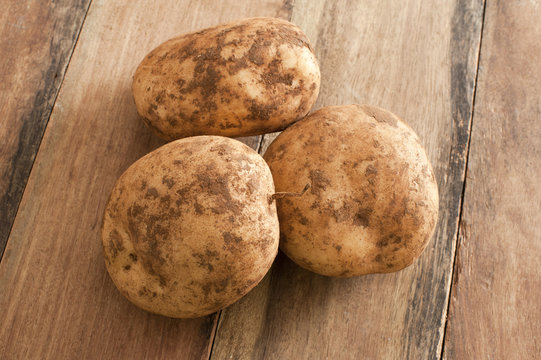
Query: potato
pixel 243 78
pixel 373 202
pixel 189 229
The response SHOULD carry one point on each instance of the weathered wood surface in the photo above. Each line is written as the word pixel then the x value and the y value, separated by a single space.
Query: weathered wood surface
pixel 36 42
pixel 495 310
pixel 56 298
pixel 416 59
pixel 420 62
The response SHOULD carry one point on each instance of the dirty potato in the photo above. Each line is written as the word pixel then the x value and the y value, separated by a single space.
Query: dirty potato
pixel 243 78
pixel 373 202
pixel 189 229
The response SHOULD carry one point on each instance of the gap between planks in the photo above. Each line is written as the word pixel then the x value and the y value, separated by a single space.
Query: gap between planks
pixel 288 7
pixel 216 326
pixel 465 177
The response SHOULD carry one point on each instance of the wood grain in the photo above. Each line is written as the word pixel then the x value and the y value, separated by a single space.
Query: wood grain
pixel 495 310
pixel 36 42
pixel 420 63
pixel 56 298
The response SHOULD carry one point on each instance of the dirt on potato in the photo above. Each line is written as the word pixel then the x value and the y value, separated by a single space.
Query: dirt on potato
pixel 248 77
pixel 373 202
pixel 188 229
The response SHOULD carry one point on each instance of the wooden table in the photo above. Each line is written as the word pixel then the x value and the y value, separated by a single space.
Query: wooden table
pixel 465 74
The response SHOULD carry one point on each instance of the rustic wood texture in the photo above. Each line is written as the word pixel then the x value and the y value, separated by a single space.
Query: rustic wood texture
pixel 416 59
pixel 495 310
pixel 56 298
pixel 419 62
pixel 36 42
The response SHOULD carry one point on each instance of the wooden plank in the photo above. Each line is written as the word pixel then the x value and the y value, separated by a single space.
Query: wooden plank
pixel 495 310
pixel 420 62
pixel 36 42
pixel 56 298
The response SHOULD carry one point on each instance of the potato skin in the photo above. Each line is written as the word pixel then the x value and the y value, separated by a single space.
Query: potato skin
pixel 373 202
pixel 247 77
pixel 188 228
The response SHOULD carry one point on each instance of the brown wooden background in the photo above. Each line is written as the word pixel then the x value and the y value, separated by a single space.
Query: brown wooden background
pixel 465 74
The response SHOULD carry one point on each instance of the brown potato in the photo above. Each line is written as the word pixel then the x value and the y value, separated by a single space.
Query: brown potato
pixel 189 229
pixel 243 78
pixel 373 202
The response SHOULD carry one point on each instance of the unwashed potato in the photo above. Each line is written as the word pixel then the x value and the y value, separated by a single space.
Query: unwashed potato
pixel 189 229
pixel 243 78
pixel 373 202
